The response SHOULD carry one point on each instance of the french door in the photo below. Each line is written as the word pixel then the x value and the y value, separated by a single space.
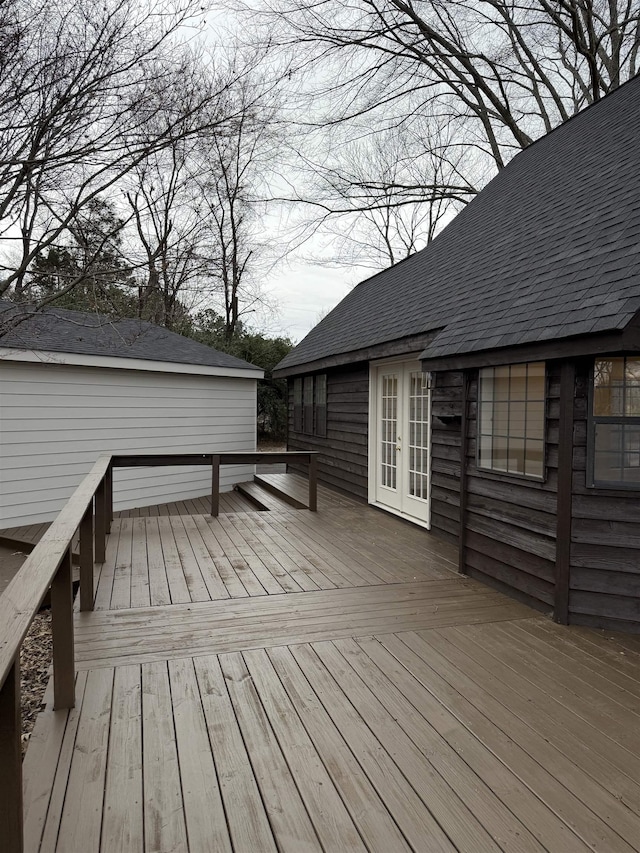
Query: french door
pixel 400 444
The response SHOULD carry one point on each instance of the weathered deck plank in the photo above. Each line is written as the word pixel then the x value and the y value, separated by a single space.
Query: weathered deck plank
pixel 300 682
pixel 574 796
pixel 567 726
pixel 122 825
pixel 248 823
pixel 161 634
pixel 163 809
pixel 204 812
pixel 81 823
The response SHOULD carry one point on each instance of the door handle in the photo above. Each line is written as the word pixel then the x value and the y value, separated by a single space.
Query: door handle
pixel 398 449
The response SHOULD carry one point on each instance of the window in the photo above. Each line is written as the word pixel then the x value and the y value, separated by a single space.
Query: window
pixel 307 425
pixel 511 417
pixel 614 459
pixel 310 405
pixel 297 405
pixel 321 405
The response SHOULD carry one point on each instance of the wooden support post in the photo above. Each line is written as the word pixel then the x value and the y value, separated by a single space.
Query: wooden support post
pixel 313 483
pixel 109 497
pixel 11 820
pixel 100 530
pixel 86 559
pixel 215 486
pixel 62 635
pixel 565 494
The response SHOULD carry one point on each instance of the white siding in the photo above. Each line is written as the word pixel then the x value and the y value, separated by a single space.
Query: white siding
pixel 56 419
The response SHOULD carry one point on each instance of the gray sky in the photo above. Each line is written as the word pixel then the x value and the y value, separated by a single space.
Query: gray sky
pixel 305 292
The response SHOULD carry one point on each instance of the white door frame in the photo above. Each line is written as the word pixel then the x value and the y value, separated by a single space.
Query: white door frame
pixel 404 364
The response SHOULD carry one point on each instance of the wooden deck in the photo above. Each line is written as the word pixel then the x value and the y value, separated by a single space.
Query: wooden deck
pixel 299 682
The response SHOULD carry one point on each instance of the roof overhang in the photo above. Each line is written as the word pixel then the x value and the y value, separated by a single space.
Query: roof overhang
pixel 115 363
pixel 387 349
pixel 606 342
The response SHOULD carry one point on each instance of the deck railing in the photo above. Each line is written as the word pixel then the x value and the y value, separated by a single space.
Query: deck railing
pixel 89 512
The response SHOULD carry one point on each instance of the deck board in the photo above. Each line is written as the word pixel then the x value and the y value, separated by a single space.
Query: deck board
pixel 565 725
pixel 326 682
pixel 163 809
pixel 249 826
pixel 576 798
pixel 452 816
pixel 122 825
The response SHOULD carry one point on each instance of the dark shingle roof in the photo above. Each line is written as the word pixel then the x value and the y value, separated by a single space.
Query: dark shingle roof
pixel 60 330
pixel 549 249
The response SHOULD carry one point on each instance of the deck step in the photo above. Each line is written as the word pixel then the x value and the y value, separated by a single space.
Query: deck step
pixel 17 543
pixel 264 499
pixel 288 487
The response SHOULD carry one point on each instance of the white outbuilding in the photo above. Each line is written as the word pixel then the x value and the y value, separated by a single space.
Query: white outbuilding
pixel 75 385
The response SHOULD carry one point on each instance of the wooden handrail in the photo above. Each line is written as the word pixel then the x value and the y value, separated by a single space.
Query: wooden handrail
pixel 135 460
pixel 22 598
pixel 48 566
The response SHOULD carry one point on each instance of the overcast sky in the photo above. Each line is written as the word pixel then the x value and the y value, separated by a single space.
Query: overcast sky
pixel 305 292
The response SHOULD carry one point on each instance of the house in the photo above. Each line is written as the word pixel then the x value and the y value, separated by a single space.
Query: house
pixel 488 387
pixel 75 385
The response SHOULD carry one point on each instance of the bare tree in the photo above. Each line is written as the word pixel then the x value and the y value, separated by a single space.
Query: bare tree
pixel 169 216
pixel 80 99
pixel 380 202
pixel 196 209
pixel 495 74
pixel 232 176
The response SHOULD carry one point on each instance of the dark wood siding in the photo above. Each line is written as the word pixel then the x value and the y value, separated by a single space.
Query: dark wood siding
pixel 344 460
pixel 605 538
pixel 510 536
pixel 343 463
pixel 510 522
pixel 446 414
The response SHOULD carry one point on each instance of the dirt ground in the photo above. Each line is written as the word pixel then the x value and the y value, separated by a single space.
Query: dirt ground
pixel 35 654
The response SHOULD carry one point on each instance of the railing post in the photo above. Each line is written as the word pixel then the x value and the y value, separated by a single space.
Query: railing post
pixel 215 486
pixel 86 559
pixel 109 497
pixel 62 635
pixel 11 820
pixel 313 483
pixel 101 521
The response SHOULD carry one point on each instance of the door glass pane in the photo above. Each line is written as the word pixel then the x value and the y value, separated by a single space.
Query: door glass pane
pixel 388 431
pixel 418 435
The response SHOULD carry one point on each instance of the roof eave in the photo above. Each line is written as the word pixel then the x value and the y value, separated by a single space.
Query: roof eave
pixel 385 349
pixel 583 345
pixel 10 353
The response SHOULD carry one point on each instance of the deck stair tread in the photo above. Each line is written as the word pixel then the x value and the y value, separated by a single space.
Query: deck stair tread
pixel 289 487
pixel 296 486
pixel 264 498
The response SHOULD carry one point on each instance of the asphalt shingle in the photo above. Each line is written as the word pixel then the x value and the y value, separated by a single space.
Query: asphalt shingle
pixel 554 238
pixel 61 330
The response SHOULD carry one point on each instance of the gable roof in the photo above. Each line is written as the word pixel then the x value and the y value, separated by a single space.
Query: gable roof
pixel 549 249
pixel 60 330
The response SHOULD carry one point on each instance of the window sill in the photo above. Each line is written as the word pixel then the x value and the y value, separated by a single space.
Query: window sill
pixel 505 477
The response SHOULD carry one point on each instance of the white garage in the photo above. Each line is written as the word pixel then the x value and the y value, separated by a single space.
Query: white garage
pixel 75 385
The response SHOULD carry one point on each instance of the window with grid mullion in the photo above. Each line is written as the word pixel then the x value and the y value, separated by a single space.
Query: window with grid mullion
pixel 614 423
pixel 511 411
